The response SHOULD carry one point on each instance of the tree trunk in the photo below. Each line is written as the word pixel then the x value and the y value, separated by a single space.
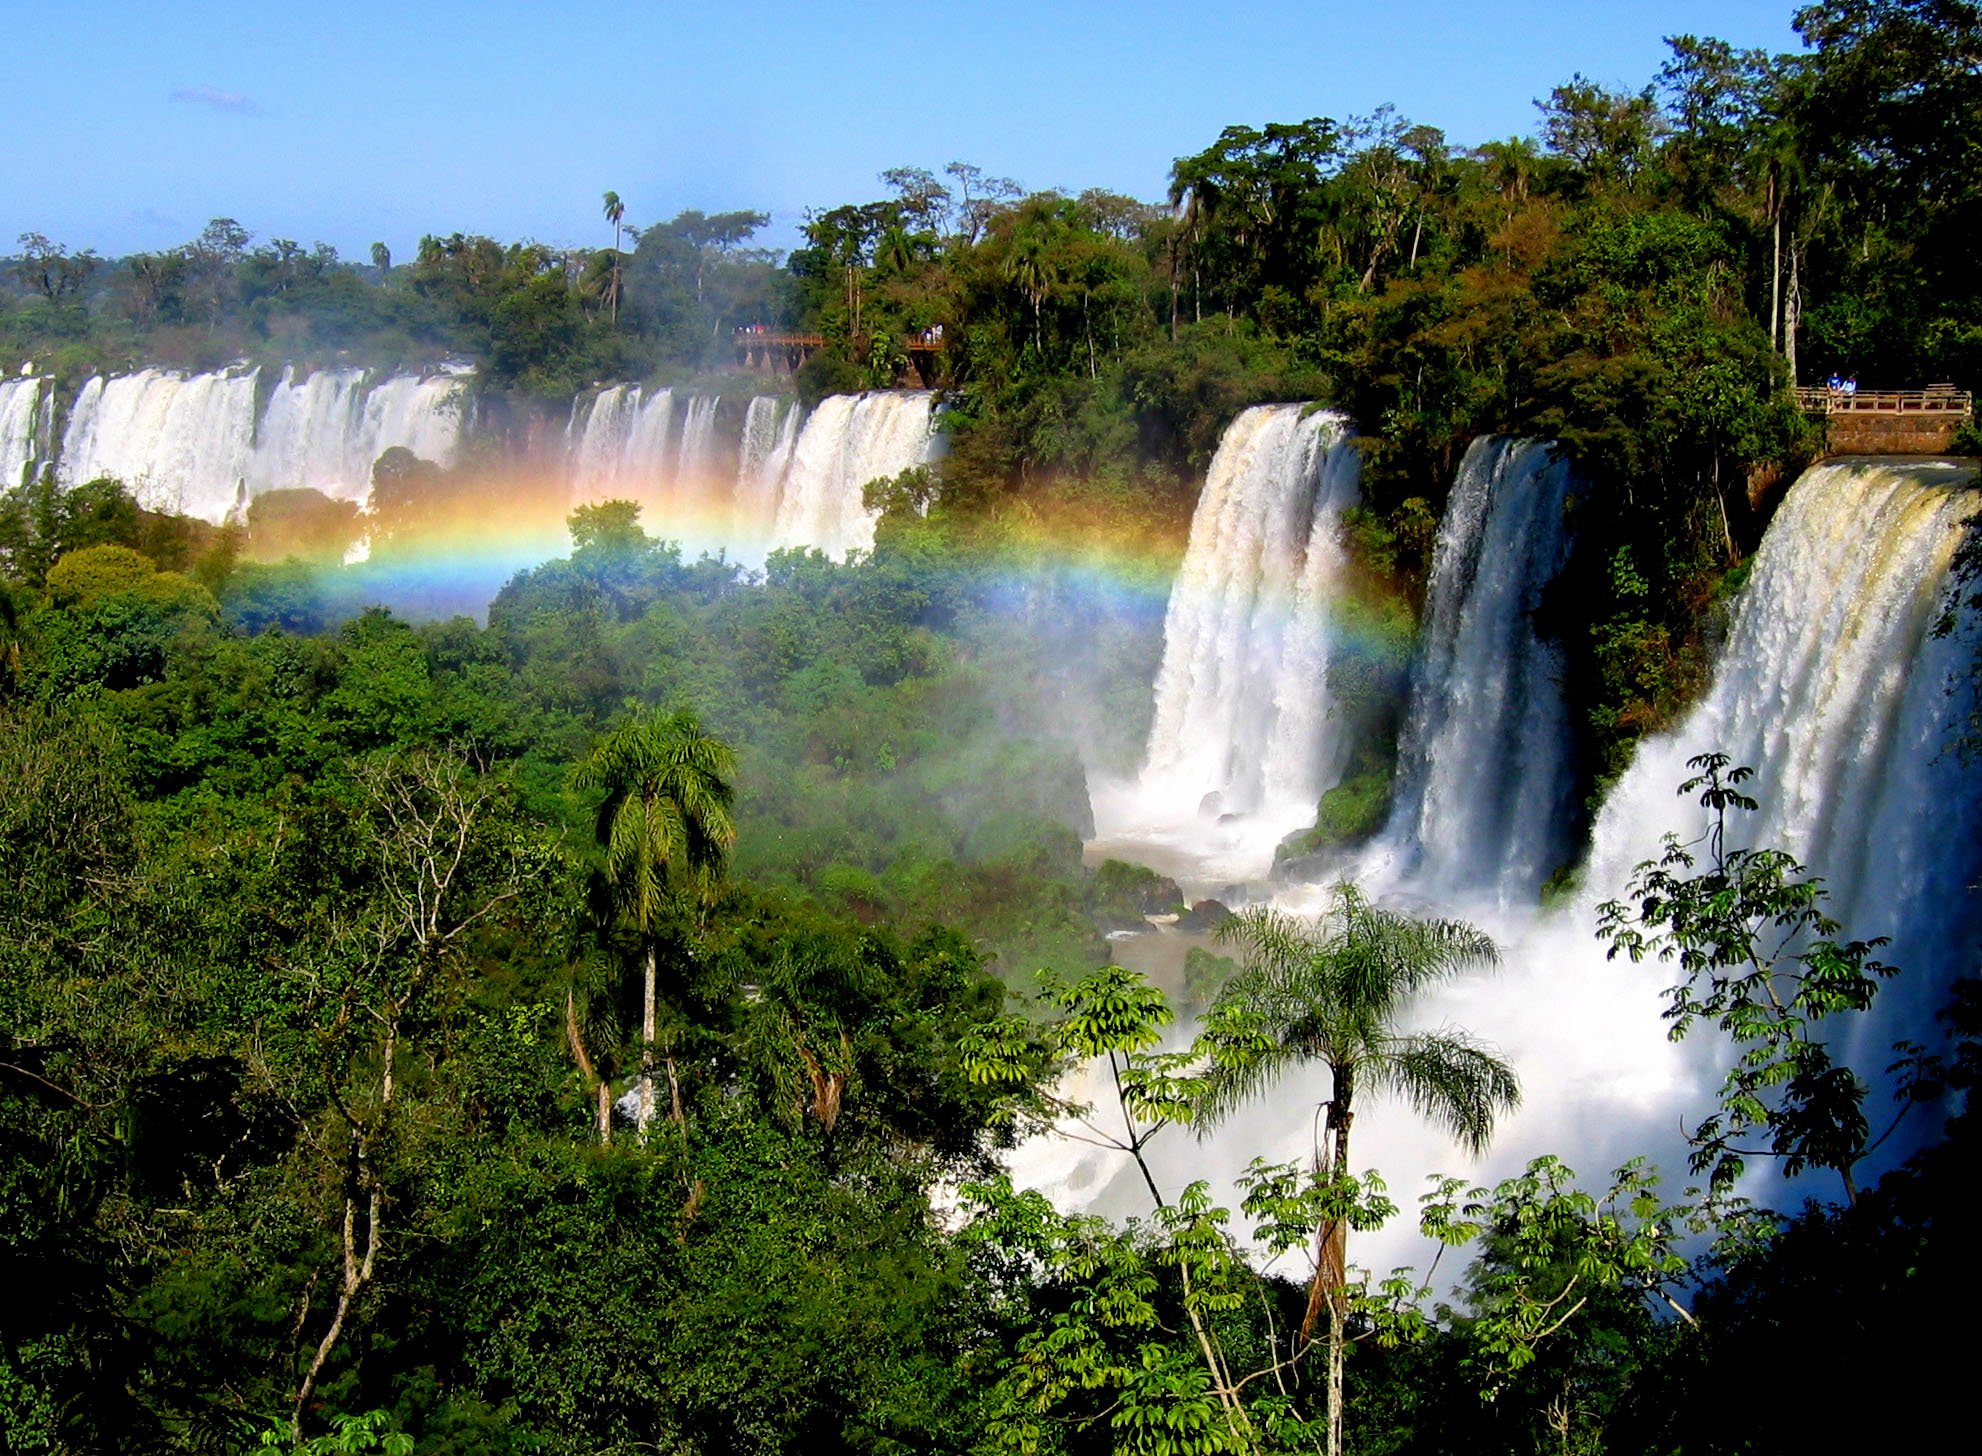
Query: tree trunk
pixel 357 1271
pixel 593 1080
pixel 647 1044
pixel 674 1095
pixel 1337 1343
pixel 1331 1272
pixel 1720 500
pixel 1792 313
pixel 1331 1268
pixel 1775 266
pixel 1173 291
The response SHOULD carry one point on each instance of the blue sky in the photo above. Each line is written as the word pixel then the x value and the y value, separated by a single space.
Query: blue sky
pixel 127 126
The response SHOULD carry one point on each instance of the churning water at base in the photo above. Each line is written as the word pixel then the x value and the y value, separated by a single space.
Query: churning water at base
pixel 1833 688
pixel 1484 784
pixel 1243 744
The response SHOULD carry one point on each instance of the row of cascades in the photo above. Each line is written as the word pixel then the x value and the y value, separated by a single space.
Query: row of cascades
pixel 747 476
pixel 1831 684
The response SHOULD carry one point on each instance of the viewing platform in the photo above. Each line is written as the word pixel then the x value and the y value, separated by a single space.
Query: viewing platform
pixel 1890 421
pixel 775 351
pixel 780 351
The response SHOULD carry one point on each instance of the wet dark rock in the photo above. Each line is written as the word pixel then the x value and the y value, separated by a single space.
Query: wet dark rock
pixel 1204 917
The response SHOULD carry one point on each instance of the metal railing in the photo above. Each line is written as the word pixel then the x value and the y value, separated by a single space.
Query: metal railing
pixel 1936 399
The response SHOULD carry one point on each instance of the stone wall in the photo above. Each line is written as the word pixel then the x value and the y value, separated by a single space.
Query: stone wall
pixel 1897 434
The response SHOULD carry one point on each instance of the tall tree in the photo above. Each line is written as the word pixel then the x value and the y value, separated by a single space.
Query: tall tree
pixel 615 214
pixel 665 825
pixel 1334 992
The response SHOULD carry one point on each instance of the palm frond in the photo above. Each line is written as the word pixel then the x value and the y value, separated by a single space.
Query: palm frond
pixel 1451 1079
pixel 667 809
pixel 1332 990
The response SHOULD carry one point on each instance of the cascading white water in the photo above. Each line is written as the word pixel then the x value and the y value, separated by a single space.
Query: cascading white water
pixel 1832 687
pixel 1242 743
pixel 620 451
pixel 195 444
pixel 428 414
pixel 200 444
pixel 1484 787
pixel 21 419
pixel 323 431
pixel 848 441
pixel 626 446
pixel 694 465
pixel 178 442
pixel 770 430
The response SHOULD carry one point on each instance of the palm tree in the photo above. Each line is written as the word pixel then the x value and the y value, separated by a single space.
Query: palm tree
pixel 1334 992
pixel 665 826
pixel 615 211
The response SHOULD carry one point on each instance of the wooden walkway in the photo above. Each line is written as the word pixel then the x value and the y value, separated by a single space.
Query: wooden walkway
pixel 778 351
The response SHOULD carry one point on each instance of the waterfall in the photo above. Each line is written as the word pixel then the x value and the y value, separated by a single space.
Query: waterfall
pixel 207 444
pixel 195 443
pixel 628 448
pixel 770 430
pixel 1242 734
pixel 849 441
pixel 620 451
pixel 1484 787
pixel 323 431
pixel 178 442
pixel 21 429
pixel 427 414
pixel 1833 688
pixel 695 463
pixel 1830 685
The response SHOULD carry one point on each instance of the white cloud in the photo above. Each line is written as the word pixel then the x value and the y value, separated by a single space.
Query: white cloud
pixel 217 99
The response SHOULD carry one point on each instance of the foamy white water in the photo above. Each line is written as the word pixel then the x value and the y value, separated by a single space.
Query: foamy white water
pixel 849 441
pixel 1484 787
pixel 197 443
pixel 770 432
pixel 23 421
pixel 323 431
pixel 1243 744
pixel 178 442
pixel 1833 688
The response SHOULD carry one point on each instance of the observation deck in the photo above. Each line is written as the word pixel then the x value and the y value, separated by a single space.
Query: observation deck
pixel 775 351
pixel 1890 421
pixel 781 351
